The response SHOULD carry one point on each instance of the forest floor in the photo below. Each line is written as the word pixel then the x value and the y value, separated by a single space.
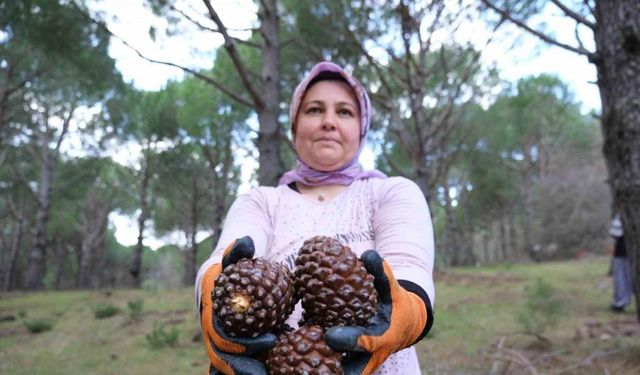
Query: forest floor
pixel 476 329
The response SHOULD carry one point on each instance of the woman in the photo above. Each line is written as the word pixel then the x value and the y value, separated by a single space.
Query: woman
pixel 328 193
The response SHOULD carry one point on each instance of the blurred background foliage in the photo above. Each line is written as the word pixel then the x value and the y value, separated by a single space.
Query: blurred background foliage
pixel 513 171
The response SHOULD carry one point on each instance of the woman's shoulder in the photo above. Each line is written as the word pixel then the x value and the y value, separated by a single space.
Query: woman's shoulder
pixel 263 193
pixel 392 183
pixel 390 189
pixel 261 200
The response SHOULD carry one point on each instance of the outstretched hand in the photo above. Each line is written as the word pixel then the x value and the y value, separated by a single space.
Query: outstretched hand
pixel 400 321
pixel 230 355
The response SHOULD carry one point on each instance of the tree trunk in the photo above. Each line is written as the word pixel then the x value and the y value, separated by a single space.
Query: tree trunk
pixel 60 255
pixel 136 264
pixel 528 216
pixel 265 94
pixel 6 92
pixel 514 244
pixel 421 178
pixel 487 249
pixel 36 262
pixel 217 213
pixel 190 256
pixel 96 216
pixel 4 97
pixel 191 251
pixel 219 182
pixel 49 156
pixel 16 240
pixel 503 237
pixel 461 255
pixel 617 37
pixel 76 246
pixel 271 165
pixel 486 234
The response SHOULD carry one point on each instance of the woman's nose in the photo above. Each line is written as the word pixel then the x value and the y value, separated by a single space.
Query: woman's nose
pixel 328 121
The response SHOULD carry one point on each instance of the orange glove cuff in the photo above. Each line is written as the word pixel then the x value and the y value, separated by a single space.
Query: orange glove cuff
pixel 407 323
pixel 211 337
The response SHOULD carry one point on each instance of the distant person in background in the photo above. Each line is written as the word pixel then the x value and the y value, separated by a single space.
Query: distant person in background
pixel 620 267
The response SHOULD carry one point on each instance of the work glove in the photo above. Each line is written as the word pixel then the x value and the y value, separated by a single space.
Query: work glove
pixel 401 320
pixel 227 354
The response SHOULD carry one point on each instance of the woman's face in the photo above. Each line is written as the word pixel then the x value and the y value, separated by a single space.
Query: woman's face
pixel 328 126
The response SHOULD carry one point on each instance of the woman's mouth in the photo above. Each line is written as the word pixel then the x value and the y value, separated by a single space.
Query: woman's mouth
pixel 326 140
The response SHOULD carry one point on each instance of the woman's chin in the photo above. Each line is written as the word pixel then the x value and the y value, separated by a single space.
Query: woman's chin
pixel 328 163
pixel 326 166
pixel 325 162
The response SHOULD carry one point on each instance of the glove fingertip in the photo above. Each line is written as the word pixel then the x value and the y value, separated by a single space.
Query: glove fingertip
pixel 242 248
pixel 245 242
pixel 344 338
pixel 373 262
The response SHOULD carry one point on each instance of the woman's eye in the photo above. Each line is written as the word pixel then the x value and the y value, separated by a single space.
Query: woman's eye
pixel 312 110
pixel 345 112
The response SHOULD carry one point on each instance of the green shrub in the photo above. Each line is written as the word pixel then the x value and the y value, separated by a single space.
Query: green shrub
pixel 159 337
pixel 150 286
pixel 541 309
pixel 105 311
pixel 135 309
pixel 38 325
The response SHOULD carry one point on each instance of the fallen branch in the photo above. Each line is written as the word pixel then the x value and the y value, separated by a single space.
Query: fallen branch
pixel 522 360
pixel 510 356
pixel 587 360
pixel 496 363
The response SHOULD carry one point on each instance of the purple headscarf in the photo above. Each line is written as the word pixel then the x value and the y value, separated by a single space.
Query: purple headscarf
pixel 352 170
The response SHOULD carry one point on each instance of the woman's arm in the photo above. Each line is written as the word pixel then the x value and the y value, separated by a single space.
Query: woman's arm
pixel 404 234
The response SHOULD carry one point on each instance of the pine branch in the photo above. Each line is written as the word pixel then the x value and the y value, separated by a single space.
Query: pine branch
pixel 8 90
pixel 193 72
pixel 371 61
pixel 507 15
pixel 587 3
pixel 65 128
pixel 315 53
pixel 204 27
pixel 576 16
pixel 230 46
